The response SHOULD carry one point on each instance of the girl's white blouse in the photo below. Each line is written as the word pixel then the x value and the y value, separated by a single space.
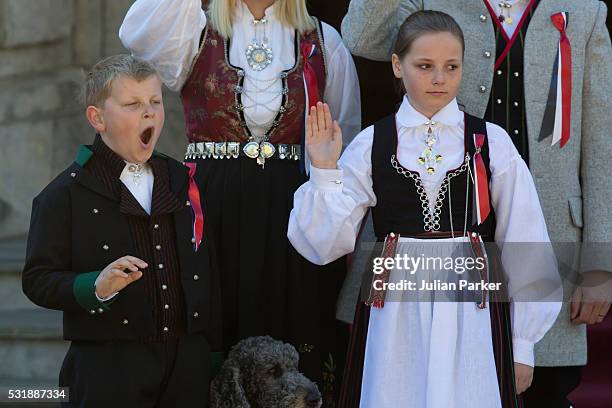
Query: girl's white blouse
pixel 329 208
pixel 167 34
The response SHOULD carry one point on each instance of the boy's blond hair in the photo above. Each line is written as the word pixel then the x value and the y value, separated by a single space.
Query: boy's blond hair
pixel 292 13
pixel 97 86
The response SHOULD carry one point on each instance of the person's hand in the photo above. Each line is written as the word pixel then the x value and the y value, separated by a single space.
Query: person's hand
pixel 591 300
pixel 323 137
pixel 523 375
pixel 113 278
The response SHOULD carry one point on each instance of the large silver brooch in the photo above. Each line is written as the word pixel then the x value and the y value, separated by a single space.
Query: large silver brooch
pixel 259 56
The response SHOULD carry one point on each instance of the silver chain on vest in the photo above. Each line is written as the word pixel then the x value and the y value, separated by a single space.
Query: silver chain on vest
pixel 431 217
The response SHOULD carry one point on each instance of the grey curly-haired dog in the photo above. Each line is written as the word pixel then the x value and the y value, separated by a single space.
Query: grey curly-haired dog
pixel 262 372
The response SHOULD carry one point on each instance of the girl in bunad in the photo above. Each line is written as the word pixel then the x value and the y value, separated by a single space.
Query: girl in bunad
pixel 431 174
pixel 247 70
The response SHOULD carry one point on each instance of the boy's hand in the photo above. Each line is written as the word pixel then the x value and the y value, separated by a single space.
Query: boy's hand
pixel 323 137
pixel 523 375
pixel 113 278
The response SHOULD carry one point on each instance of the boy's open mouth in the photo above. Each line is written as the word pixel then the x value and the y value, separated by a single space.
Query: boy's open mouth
pixel 146 135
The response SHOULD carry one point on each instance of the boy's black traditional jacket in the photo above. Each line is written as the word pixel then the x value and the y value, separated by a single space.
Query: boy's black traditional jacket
pixel 77 229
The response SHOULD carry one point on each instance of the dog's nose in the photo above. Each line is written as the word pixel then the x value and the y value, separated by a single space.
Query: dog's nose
pixel 313 399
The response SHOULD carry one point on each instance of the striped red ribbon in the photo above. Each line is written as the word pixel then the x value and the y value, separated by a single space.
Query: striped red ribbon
pixel 194 200
pixel 559 20
pixel 481 182
pixel 310 76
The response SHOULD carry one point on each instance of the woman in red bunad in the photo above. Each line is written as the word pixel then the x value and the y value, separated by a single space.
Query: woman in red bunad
pixel 247 71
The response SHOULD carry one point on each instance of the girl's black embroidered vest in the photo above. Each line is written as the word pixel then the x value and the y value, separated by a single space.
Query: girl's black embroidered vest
pixel 402 205
pixel 507 101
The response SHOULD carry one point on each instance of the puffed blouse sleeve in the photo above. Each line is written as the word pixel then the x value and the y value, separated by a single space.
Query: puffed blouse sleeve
pixel 328 209
pixel 165 33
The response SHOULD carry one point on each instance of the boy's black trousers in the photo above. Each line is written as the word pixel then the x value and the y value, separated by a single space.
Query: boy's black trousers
pixel 168 374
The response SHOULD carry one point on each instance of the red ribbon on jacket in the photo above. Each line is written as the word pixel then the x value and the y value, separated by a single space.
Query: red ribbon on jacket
pixel 310 76
pixel 481 181
pixel 194 200
pixel 559 20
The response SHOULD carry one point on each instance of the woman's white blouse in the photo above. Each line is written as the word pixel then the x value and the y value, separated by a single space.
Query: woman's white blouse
pixel 329 208
pixel 167 34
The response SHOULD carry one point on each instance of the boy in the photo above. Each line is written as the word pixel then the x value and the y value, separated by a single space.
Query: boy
pixel 111 245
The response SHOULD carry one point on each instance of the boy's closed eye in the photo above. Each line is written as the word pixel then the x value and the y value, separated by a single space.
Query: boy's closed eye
pixel 137 103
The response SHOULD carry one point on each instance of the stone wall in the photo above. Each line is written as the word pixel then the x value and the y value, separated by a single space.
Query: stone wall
pixel 45 48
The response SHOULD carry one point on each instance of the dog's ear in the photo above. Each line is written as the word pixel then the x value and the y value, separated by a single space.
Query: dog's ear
pixel 226 389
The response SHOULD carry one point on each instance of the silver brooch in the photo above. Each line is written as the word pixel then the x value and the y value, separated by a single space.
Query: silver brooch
pixel 259 56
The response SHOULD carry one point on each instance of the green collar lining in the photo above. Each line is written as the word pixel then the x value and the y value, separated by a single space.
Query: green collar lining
pixel 84 154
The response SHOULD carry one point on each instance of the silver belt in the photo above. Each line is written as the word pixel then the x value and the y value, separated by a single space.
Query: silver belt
pixel 233 150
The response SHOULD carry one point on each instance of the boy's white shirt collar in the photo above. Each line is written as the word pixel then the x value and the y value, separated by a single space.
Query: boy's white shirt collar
pixel 408 117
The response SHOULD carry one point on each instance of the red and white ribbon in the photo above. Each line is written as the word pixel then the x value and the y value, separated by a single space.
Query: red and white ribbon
pixel 310 76
pixel 481 181
pixel 561 131
pixel 311 94
pixel 194 200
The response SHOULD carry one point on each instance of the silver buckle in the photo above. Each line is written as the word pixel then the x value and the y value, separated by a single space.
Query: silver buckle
pixel 295 152
pixel 233 149
pixel 199 149
pixel 220 149
pixel 190 153
pixel 209 149
pixel 283 151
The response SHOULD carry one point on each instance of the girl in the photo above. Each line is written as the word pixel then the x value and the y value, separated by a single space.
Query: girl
pixel 247 70
pixel 431 174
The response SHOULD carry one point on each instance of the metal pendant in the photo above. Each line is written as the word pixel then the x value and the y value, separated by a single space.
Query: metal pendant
pixel 430 159
pixel 259 56
pixel 509 20
pixel 136 170
pixel 261 151
pixel 267 149
pixel 251 149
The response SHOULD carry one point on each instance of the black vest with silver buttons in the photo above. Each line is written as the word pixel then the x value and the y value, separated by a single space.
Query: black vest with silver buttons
pixel 507 101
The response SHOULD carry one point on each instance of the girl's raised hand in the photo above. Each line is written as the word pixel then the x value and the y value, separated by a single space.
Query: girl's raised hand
pixel 323 137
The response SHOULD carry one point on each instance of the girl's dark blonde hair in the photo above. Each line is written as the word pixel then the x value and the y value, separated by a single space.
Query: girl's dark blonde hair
pixel 425 22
